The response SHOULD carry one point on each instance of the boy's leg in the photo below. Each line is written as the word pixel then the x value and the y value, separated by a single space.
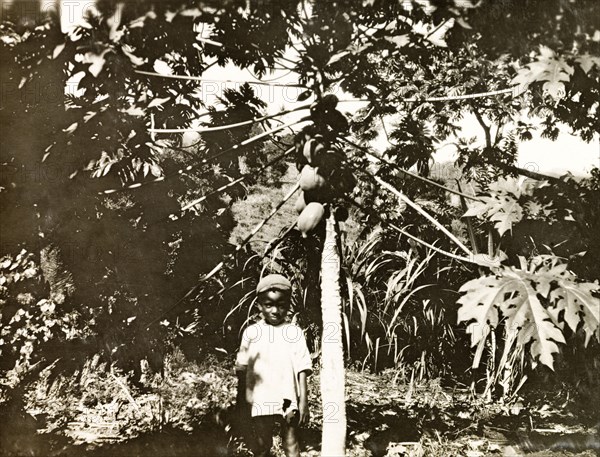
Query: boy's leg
pixel 263 434
pixel 289 439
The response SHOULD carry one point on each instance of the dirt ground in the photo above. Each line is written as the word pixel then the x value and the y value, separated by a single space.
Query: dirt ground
pixel 386 417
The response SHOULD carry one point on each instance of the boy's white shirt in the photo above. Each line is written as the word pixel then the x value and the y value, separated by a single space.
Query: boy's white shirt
pixel 272 357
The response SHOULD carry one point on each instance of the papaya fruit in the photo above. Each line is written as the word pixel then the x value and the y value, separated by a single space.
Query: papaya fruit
pixel 308 150
pixel 310 217
pixel 329 160
pixel 300 203
pixel 316 111
pixel 329 102
pixel 319 148
pixel 311 180
pixel 337 121
pixel 313 148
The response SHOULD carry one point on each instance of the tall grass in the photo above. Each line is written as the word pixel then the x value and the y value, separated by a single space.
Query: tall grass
pixel 393 312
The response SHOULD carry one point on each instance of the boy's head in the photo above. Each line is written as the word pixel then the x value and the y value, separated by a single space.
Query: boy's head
pixel 273 295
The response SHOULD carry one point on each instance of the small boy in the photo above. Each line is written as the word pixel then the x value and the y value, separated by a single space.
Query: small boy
pixel 272 366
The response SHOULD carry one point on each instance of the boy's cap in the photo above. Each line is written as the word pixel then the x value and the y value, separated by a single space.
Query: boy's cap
pixel 274 282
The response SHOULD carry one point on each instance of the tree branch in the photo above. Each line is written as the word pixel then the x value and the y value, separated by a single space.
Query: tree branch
pixel 484 126
pixel 533 174
pixel 498 133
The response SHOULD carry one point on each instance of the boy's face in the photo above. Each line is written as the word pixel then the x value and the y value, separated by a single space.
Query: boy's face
pixel 274 306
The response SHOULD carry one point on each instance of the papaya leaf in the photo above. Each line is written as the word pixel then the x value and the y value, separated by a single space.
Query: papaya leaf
pixel 162 67
pixel 579 304
pixel 158 102
pixel 337 57
pixel 535 300
pixel 399 40
pixel 503 205
pixel 549 68
pixel 504 210
pixel 530 319
pixel 479 304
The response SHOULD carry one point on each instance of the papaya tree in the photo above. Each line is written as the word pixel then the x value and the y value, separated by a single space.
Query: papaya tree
pixel 333 385
pixel 438 80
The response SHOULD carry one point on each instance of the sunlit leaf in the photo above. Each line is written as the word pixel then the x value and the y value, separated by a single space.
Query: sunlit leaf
pixel 162 67
pixel 158 102
pixel 532 299
pixel 549 68
pixel 336 57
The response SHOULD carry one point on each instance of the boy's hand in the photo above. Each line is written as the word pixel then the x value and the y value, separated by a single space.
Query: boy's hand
pixel 303 400
pixel 304 412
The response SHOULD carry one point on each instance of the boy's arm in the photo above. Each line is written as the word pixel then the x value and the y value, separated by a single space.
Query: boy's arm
pixel 303 400
pixel 241 387
pixel 241 366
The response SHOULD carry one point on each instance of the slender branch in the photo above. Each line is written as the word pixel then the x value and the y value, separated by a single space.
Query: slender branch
pixel 200 78
pixel 424 213
pixel 276 78
pixel 268 217
pixel 229 126
pixel 212 64
pixel 387 136
pixel 221 264
pixel 533 174
pixel 499 132
pixel 277 241
pixel 468 219
pixel 243 178
pixel 208 41
pixel 435 29
pixel 207 160
pixel 514 91
pixel 408 235
pixel 408 173
pixel 484 126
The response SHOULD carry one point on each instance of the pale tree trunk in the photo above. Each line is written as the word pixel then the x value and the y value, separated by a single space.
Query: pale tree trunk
pixel 332 351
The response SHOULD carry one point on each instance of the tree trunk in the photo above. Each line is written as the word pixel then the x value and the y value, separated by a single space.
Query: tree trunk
pixel 332 351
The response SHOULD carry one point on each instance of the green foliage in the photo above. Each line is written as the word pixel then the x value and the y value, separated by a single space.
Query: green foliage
pixel 31 317
pixel 508 200
pixel 535 302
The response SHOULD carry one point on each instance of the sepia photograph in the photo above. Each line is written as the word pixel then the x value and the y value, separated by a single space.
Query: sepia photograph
pixel 299 228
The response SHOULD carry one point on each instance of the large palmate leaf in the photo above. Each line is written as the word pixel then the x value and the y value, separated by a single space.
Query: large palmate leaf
pixel 480 306
pixel 536 300
pixel 513 294
pixel 502 205
pixel 553 70
pixel 507 201
pixel 530 319
pixel 505 211
pixel 578 304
